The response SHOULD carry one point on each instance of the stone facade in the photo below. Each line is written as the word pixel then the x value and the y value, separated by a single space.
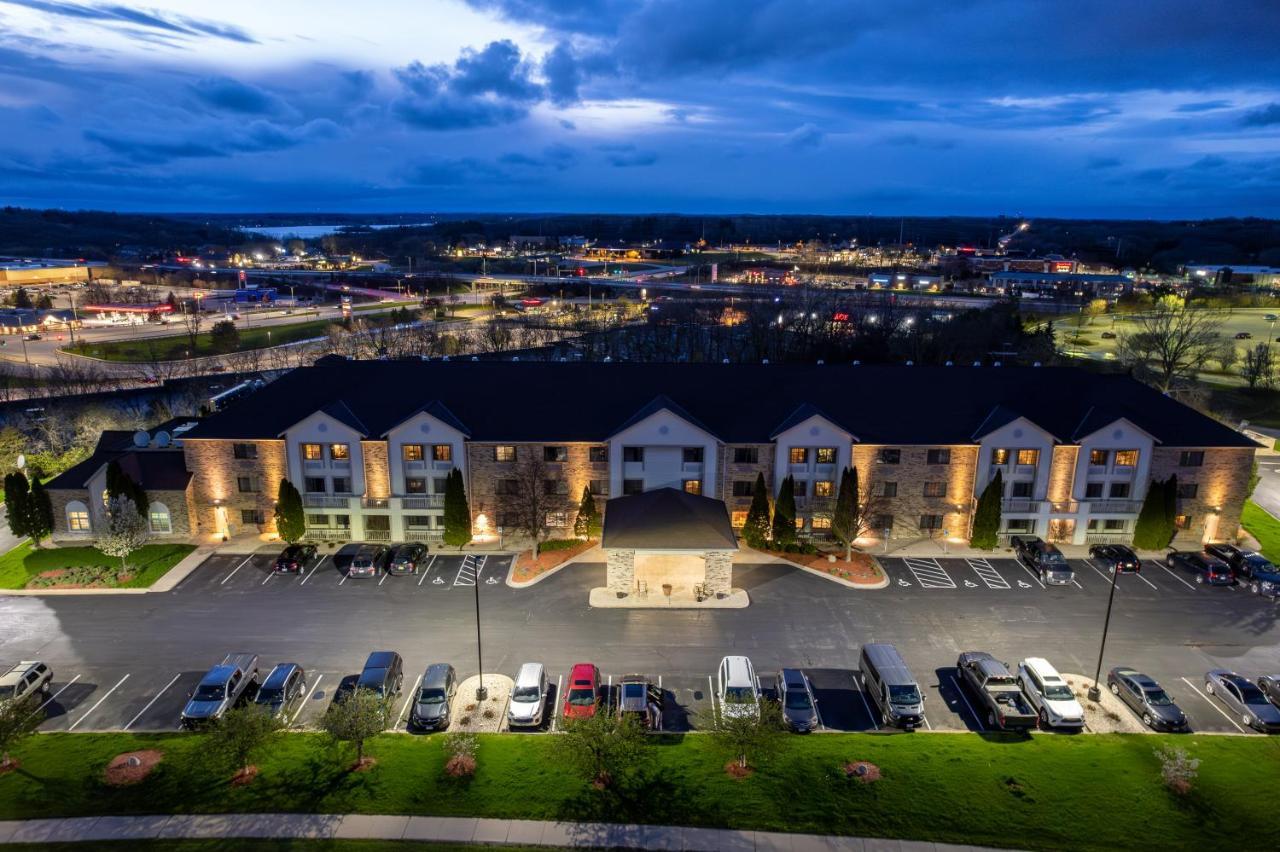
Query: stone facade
pixel 1062 472
pixel 745 471
pixel 181 506
pixel 377 471
pixel 484 472
pixel 218 500
pixel 910 476
pixel 719 577
pixel 620 570
pixel 1222 484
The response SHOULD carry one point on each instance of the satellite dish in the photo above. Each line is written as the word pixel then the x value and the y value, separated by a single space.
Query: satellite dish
pixel 163 438
pixel 22 461
pixel 141 438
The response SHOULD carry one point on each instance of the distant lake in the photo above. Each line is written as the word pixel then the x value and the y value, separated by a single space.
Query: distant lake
pixel 311 232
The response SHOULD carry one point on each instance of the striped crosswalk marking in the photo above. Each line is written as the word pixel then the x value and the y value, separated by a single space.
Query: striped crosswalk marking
pixel 929 573
pixel 988 574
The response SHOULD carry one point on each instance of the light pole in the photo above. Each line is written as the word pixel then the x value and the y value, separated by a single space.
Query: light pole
pixel 1094 692
pixel 481 692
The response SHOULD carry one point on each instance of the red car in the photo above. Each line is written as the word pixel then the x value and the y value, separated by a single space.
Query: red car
pixel 584 692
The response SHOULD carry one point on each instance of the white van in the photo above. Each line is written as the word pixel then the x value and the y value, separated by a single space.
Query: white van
pixel 528 697
pixel 737 690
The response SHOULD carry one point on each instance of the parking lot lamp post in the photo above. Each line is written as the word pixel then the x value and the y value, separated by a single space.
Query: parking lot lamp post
pixel 481 692
pixel 1094 692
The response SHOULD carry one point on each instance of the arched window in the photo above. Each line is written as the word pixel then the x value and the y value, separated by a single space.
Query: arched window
pixel 159 517
pixel 77 517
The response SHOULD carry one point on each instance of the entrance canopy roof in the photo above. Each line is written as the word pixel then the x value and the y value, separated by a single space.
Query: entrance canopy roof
pixel 667 519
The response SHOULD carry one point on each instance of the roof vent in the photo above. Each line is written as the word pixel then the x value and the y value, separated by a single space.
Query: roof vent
pixel 857 363
pixel 977 363
pixel 995 364
pixel 949 364
pixel 765 361
pixel 725 361
pixel 515 357
pixel 475 358
pixel 141 438
pixel 821 362
pixel 163 438
pixel 1036 364
pixel 911 363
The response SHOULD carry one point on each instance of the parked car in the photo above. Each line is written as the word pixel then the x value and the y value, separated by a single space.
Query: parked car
pixel 1044 559
pixel 528 696
pixel 25 680
pixel 1108 335
pixel 295 558
pixel 1001 698
pixel 220 689
pixel 892 687
pixel 406 559
pixel 383 673
pixel 640 698
pixel 1243 697
pixel 1243 335
pixel 1263 577
pixel 737 689
pixel 1146 698
pixel 799 707
pixel 435 696
pixel 1049 694
pixel 583 696
pixel 1270 686
pixel 370 560
pixel 34 336
pixel 283 687
pixel 1206 568
pixel 1116 557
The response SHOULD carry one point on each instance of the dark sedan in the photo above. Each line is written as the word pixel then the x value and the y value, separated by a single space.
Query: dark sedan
pixel 1242 696
pixel 407 559
pixel 1270 686
pixel 1206 568
pixel 1146 698
pixel 1116 557
pixel 295 558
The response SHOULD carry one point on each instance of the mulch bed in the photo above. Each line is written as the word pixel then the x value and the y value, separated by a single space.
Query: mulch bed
pixel 734 769
pixel 861 770
pixel 861 569
pixel 364 764
pixel 78 578
pixel 244 775
pixel 527 568
pixel 10 765
pixel 132 767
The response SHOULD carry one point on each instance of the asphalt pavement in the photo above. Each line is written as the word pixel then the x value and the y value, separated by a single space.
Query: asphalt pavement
pixel 128 662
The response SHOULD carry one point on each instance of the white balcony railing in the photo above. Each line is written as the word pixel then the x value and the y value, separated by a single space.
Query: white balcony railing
pixel 377 535
pixel 1114 507
pixel 425 501
pixel 1021 505
pixel 325 501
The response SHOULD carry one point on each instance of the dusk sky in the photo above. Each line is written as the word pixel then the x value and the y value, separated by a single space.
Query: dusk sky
pixel 1163 109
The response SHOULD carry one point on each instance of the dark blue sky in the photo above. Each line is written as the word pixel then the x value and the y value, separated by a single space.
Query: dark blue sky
pixel 1167 108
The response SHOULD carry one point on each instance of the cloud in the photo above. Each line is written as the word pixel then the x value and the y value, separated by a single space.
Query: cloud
pixel 224 93
pixel 213 141
pixel 556 157
pixel 482 88
pixel 626 155
pixel 1101 163
pixel 913 140
pixel 1203 106
pixel 453 171
pixel 139 23
pixel 805 136
pixel 1262 117
pixel 563 74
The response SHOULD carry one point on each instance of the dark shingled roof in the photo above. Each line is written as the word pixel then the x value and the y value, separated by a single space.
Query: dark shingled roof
pixel 153 469
pixel 667 519
pixel 738 403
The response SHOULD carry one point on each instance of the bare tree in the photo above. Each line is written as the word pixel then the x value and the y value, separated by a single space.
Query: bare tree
pixel 1258 368
pixel 192 320
pixel 1171 340
pixel 531 494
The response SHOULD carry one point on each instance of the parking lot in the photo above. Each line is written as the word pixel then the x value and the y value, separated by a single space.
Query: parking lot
pixel 129 662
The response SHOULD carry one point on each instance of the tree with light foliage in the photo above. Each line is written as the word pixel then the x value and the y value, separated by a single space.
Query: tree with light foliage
pixel 356 718
pixel 126 530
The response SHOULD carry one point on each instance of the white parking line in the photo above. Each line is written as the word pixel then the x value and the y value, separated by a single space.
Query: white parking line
pixel 1076 583
pixel 1215 706
pixel 313 571
pixel 314 688
pixel 977 720
pixel 1173 575
pixel 870 715
pixel 408 698
pixel 344 579
pixel 385 575
pixel 1138 574
pixel 555 710
pixel 88 712
pixel 929 573
pixel 247 560
pixel 926 722
pixel 1097 570
pixel 467 572
pixel 54 697
pixel 988 574
pixel 152 701
pixel 1029 571
pixel 428 571
pixel 711 693
pixel 267 578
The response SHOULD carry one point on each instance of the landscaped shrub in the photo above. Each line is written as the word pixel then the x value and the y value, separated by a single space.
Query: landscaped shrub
pixel 559 544
pixel 1178 769
pixel 461 751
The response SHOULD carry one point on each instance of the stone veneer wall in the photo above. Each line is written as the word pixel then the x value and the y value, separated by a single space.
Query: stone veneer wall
pixel 180 504
pixel 731 471
pixel 483 473
pixel 719 571
pixel 1223 482
pixel 911 473
pixel 377 470
pixel 620 570
pixel 214 470
pixel 1062 472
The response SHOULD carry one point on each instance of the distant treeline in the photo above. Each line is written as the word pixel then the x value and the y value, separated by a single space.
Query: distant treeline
pixel 97 235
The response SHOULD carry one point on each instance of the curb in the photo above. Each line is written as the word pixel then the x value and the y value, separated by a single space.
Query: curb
pixel 849 584
pixel 524 584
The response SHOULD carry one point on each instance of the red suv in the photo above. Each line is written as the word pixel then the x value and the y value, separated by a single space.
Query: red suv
pixel 584 692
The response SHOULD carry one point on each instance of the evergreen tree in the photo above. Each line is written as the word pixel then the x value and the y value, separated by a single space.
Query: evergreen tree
pixel 844 521
pixel 1171 507
pixel 457 514
pixel 784 514
pixel 121 484
pixel 291 520
pixel 21 298
pixel 16 497
pixel 755 532
pixel 39 513
pixel 1151 530
pixel 986 516
pixel 587 524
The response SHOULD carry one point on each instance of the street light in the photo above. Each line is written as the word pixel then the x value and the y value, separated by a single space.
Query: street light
pixel 1094 692
pixel 481 692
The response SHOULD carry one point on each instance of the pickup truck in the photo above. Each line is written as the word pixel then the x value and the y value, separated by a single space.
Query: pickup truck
pixel 25 680
pixel 220 689
pixel 1006 708
pixel 639 697
pixel 1044 559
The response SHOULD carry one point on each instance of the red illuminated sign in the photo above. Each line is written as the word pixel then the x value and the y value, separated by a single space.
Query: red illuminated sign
pixel 840 316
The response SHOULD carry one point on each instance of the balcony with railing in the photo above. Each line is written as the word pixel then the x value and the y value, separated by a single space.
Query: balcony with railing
pixel 1109 537
pixel 423 501
pixel 1107 506
pixel 375 503
pixel 326 501
pixel 424 536
pixel 1020 506
pixel 327 534
pixel 377 535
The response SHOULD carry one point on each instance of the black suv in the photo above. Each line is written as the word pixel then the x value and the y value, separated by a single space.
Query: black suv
pixel 1208 569
pixel 407 559
pixel 1044 559
pixel 295 558
pixel 1263 577
pixel 370 560
pixel 1116 557
pixel 383 673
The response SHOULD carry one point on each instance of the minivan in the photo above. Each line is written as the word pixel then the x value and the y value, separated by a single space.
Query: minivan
pixel 892 687
pixel 528 696
pixel 737 689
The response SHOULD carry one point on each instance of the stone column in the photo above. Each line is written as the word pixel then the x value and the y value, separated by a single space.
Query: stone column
pixel 718 571
pixel 621 570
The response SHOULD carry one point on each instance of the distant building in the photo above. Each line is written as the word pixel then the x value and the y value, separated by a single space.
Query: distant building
pixel 769 276
pixel 903 280
pixel 1258 276
pixel 1007 263
pixel 15 272
pixel 1049 284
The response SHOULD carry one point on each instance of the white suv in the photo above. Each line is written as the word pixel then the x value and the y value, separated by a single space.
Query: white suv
pixel 737 690
pixel 1050 694
pixel 528 696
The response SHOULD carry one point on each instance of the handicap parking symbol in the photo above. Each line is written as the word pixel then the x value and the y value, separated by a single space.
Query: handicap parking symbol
pixel 438 581
pixel 969 584
pixel 492 581
pixel 1023 584
pixel 902 582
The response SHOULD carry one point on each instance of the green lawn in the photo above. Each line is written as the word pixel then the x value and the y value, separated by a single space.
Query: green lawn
pixel 1263 527
pixel 20 565
pixel 1043 792
pixel 282 845
pixel 176 347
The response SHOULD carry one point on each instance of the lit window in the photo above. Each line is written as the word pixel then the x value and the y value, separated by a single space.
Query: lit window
pixel 77 517
pixel 693 486
pixel 1126 458
pixel 935 489
pixel 1182 522
pixel 504 453
pixel 159 517
pixel 821 523
pixel 312 452
pixel 442 452
pixel 738 519
pixel 340 452
pixel 1028 457
pixel 823 488
pixel 556 520
pixel 1098 458
pixel 1000 456
pixel 411 452
pixel 826 455
pixel 799 455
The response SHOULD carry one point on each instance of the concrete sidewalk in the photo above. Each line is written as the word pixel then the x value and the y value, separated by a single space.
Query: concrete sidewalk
pixel 583 835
